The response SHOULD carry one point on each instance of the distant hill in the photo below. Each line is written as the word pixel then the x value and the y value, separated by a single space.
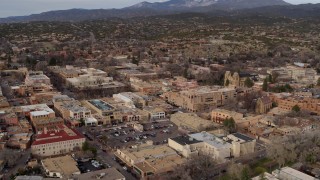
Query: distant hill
pixel 83 14
pixel 218 4
pixel 218 7
pixel 298 11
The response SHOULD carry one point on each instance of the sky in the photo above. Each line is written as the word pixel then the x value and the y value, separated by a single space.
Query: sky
pixel 27 7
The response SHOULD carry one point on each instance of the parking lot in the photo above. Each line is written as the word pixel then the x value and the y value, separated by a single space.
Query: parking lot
pixel 127 136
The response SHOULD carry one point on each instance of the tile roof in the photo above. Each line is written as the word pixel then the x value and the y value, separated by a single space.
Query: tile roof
pixel 62 134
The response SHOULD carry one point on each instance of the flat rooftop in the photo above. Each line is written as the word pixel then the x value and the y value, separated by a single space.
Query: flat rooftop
pixel 101 105
pixel 185 140
pixel 192 121
pixel 38 77
pixel 167 163
pixel 66 165
pixel 148 152
pixel 29 178
pixel 293 174
pixel 243 137
pixel 104 174
pixel 211 139
pixel 37 107
pixel 232 113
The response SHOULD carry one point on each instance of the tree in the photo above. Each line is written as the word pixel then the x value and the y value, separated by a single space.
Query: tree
pixel 227 82
pixel 292 149
pixel 94 151
pixel 265 85
pixel 275 76
pixel 85 146
pixel 9 59
pixel 248 82
pixel 230 124
pixel 259 170
pixel 185 73
pixel 318 82
pixel 196 166
pixel 296 108
pixel 270 78
pixel 135 60
pixel 238 171
pixel 53 61
pixel 245 174
pixel 82 122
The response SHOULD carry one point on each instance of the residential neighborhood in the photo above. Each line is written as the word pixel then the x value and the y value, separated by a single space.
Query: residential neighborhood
pixel 180 96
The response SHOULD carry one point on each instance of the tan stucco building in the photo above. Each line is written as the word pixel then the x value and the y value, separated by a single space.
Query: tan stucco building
pixel 263 105
pixel 202 98
pixel 235 79
pixel 219 115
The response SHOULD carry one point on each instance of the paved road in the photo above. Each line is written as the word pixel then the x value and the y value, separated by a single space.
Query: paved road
pixel 107 157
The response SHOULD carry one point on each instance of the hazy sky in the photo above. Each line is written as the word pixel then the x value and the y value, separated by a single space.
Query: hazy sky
pixel 26 7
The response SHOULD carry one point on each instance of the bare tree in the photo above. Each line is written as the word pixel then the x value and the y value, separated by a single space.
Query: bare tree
pixel 196 166
pixel 293 148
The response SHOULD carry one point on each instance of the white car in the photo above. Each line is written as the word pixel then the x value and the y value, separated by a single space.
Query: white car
pixel 125 168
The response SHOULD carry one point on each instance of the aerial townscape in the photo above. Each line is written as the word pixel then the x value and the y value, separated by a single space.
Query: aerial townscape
pixel 169 90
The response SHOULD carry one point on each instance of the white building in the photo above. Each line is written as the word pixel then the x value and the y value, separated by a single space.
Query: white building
pixel 155 113
pixel 127 97
pixel 87 81
pixel 38 111
pixel 220 149
pixel 55 142
pixel 36 77
pixel 286 173
pixel 90 121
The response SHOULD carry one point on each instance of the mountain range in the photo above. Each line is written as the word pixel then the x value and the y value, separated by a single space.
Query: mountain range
pixel 218 4
pixel 212 7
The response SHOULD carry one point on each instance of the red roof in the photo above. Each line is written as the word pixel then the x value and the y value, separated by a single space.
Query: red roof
pixel 63 133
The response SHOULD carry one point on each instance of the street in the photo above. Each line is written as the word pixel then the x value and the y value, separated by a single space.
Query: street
pixel 107 158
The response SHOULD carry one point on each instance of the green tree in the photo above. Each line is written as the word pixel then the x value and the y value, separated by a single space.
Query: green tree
pixel 259 170
pixel 245 174
pixel 275 76
pixel 185 73
pixel 135 60
pixel 296 108
pixel 311 158
pixel 230 124
pixel 288 88
pixel 248 82
pixel 274 104
pixel 9 59
pixel 318 82
pixel 227 82
pixel 270 78
pixel 265 85
pixel 53 61
pixel 94 151
pixel 82 122
pixel 85 146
